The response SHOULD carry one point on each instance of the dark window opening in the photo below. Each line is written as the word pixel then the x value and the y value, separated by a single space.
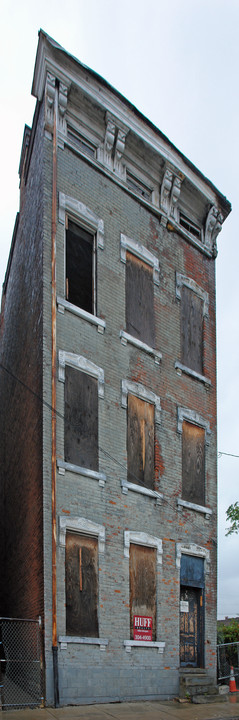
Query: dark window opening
pixel 190 226
pixel 192 330
pixel 81 268
pixel 81 419
pixel 140 300
pixel 140 442
pixel 193 463
pixel 138 187
pixel 81 585
pixel 142 572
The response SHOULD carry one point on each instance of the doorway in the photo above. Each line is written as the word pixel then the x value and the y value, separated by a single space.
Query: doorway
pixel 192 612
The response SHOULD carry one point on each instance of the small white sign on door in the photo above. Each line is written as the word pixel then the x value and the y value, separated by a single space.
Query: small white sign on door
pixel 184 606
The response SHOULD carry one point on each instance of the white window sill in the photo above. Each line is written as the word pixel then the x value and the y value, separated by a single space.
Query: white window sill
pixel 125 486
pixel 192 506
pixel 128 644
pixel 127 338
pixel 65 640
pixel 93 319
pixel 184 369
pixel 62 466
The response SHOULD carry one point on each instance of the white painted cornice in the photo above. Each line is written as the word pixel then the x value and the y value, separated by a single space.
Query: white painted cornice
pixel 68 70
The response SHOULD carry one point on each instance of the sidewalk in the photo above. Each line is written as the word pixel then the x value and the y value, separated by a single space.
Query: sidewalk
pixel 165 710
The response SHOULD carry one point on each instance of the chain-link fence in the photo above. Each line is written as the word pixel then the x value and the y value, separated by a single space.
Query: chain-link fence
pixel 227 656
pixel 20 663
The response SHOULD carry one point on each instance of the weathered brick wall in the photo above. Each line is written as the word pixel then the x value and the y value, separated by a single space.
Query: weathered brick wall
pixel 86 672
pixel 21 402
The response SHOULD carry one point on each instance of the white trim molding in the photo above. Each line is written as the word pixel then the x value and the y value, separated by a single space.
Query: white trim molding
pixel 192 285
pixel 195 550
pixel 63 305
pixel 82 213
pixel 81 525
pixel 125 486
pixel 141 252
pixel 79 362
pixel 142 538
pixel 127 338
pixel 193 506
pixel 63 466
pixel 128 644
pixel 180 368
pixel 65 640
pixel 194 418
pixel 127 386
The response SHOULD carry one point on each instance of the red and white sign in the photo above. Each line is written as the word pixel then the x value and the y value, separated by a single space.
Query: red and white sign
pixel 143 627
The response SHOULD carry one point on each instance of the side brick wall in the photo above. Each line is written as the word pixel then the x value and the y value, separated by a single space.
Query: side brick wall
pixel 21 405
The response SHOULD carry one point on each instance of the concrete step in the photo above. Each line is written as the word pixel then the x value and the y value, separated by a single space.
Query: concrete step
pixel 193 684
pixel 201 681
pixel 205 699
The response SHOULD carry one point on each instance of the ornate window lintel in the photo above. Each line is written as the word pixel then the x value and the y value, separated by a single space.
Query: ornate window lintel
pixel 195 550
pixel 81 363
pixel 82 213
pixel 81 525
pixel 192 285
pixel 193 417
pixel 141 252
pixel 143 393
pixel 142 538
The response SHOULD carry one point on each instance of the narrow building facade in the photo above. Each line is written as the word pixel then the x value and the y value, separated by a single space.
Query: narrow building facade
pixel 108 395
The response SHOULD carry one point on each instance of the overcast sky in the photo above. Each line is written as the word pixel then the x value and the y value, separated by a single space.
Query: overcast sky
pixel 178 62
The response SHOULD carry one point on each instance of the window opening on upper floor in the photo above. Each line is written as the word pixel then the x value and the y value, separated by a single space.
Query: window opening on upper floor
pixel 193 463
pixel 190 226
pixel 80 267
pixel 81 143
pixel 138 187
pixel 192 326
pixel 140 300
pixel 81 419
pixel 140 442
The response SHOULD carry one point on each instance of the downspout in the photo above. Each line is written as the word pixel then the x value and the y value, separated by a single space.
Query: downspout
pixel 53 398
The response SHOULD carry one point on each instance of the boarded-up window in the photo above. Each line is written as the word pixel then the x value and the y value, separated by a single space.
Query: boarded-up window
pixel 192 329
pixel 81 419
pixel 140 442
pixel 80 268
pixel 142 570
pixel 140 300
pixel 81 585
pixel 193 464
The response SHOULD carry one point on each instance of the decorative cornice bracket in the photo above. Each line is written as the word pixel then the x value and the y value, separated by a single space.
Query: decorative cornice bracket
pixel 170 192
pixel 212 228
pixel 110 153
pixel 62 105
pixel 50 90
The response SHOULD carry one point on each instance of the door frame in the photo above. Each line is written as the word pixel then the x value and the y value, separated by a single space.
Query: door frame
pixel 199 644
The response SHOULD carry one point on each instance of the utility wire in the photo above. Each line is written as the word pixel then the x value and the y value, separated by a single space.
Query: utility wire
pixel 59 415
pixel 220 453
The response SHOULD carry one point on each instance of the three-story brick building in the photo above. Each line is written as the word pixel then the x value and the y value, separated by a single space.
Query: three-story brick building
pixel 108 394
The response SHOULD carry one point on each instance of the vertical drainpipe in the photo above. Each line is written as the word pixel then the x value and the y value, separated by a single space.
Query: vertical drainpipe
pixel 53 398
